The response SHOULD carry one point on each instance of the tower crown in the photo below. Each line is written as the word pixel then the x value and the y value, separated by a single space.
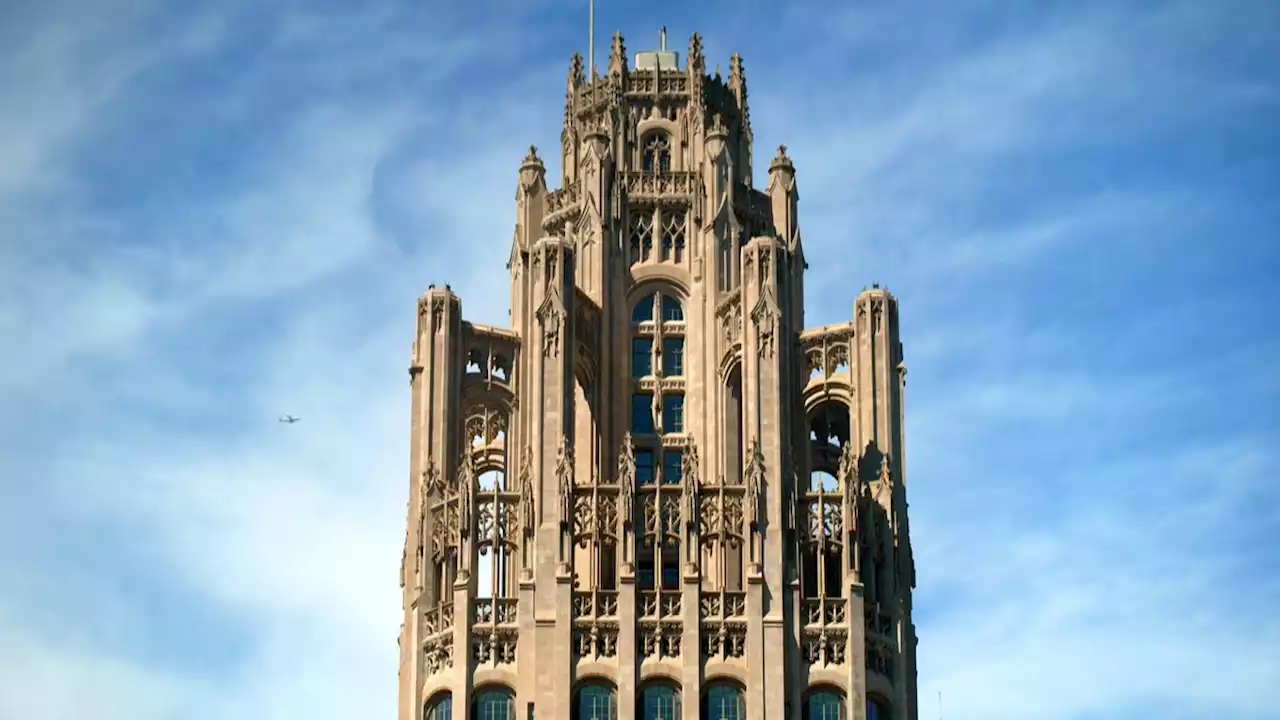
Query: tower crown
pixel 657 472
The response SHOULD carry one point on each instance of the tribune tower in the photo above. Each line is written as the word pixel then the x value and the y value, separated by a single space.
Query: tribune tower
pixel 657 495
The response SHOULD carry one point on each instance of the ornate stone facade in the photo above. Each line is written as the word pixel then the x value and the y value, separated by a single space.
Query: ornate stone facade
pixel 657 494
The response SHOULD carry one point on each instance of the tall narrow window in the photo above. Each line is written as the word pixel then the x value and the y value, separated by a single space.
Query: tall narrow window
pixel 641 236
pixel 642 414
pixel 673 356
pixel 641 357
pixel 644 467
pixel 672 467
pixel 673 413
pixel 673 237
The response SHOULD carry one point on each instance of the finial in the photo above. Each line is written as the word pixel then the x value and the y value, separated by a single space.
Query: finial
pixel 618 57
pixel 575 71
pixel 782 151
pixel 532 157
pixel 718 76
pixel 695 52
pixel 662 39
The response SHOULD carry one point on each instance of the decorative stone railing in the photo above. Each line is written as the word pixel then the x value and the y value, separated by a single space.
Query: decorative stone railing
pixel 641 82
pixel 825 611
pixel 724 627
pixel 496 611
pixel 437 641
pixel 659 604
pixel 723 605
pixel 588 604
pixel 658 187
pixel 560 206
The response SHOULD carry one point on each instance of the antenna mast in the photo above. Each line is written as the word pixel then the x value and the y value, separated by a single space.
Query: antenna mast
pixel 591 43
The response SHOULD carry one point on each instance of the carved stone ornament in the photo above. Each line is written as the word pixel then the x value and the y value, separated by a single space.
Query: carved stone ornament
pixel 551 316
pixel 432 483
pixel 848 472
pixel 689 494
pixel 466 492
pixel 765 316
pixel 527 506
pixel 755 484
pixel 627 479
pixel 564 477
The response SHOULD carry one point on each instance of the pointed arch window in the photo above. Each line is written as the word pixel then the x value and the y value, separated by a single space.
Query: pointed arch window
pixel 495 704
pixel 824 705
pixel 439 707
pixel 657 153
pixel 724 701
pixel 659 701
pixel 877 709
pixel 641 236
pixel 673 236
pixel 596 701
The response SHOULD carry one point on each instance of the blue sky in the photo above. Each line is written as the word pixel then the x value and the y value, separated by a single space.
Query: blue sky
pixel 216 213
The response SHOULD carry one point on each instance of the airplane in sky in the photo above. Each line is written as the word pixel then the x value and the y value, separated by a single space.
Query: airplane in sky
pixel 289 419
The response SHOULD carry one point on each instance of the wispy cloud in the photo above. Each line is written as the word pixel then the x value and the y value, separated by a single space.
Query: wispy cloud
pixel 215 217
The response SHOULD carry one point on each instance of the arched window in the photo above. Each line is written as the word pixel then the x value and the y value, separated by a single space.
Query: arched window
pixel 643 310
pixel 657 153
pixel 596 701
pixel 659 701
pixel 672 310
pixel 878 709
pixel 495 704
pixel 724 701
pixel 439 707
pixel 824 705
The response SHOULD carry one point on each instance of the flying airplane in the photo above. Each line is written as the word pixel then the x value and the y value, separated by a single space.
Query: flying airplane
pixel 289 419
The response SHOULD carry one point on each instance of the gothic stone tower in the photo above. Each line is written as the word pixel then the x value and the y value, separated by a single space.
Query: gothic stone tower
pixel 657 495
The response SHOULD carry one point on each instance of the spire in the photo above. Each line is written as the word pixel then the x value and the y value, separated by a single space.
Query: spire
pixel 618 57
pixel 697 62
pixel 738 80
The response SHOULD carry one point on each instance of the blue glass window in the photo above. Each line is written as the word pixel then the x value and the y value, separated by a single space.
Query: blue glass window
pixel 439 707
pixel 724 702
pixel 673 413
pixel 672 311
pixel 824 705
pixel 641 357
pixel 670 576
pixel 673 356
pixel 660 702
pixel 596 702
pixel 642 414
pixel 877 710
pixel 644 467
pixel 644 571
pixel 495 705
pixel 672 467
pixel 643 311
